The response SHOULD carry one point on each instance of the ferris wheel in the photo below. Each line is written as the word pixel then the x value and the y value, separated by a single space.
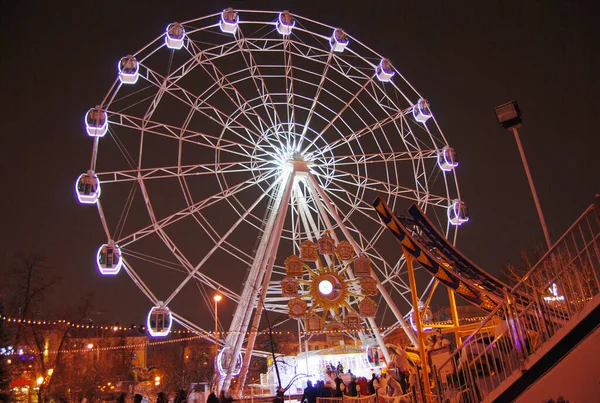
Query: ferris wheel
pixel 240 153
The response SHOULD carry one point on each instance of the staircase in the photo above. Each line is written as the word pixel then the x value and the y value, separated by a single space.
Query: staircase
pixel 520 347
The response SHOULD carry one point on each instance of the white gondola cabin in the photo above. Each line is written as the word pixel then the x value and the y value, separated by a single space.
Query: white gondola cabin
pixel 175 35
pixel 339 40
pixel 128 70
pixel 109 259
pixel 285 23
pixel 96 122
pixel 229 21
pixel 421 111
pixel 87 188
pixel 458 213
pixel 447 159
pixel 385 70
pixel 159 321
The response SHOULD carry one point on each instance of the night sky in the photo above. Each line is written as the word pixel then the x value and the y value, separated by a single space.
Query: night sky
pixel 58 60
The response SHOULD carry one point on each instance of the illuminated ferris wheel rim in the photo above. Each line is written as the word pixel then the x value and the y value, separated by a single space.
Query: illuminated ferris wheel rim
pixel 269 149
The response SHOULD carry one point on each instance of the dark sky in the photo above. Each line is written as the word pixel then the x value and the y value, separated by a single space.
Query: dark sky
pixel 58 60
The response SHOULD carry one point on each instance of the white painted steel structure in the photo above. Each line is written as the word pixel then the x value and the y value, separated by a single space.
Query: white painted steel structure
pixel 229 152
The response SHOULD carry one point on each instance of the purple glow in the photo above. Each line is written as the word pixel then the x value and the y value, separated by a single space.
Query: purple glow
pixel 421 111
pixel 238 364
pixel 109 259
pixel 229 21
pixel 458 213
pixel 447 159
pixel 158 313
pixel 128 70
pixel 385 70
pixel 96 122
pixel 87 188
pixel 339 40
pixel 285 23
pixel 174 36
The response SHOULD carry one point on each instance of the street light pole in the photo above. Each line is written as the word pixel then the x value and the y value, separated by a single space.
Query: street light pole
pixel 509 117
pixel 217 298
pixel 532 187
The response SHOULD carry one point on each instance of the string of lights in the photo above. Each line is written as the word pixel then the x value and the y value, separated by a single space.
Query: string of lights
pixel 212 333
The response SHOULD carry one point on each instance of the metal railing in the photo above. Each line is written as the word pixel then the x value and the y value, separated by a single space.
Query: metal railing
pixel 510 338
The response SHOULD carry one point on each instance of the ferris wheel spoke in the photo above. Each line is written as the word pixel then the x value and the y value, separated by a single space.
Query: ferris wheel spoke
pixel 178 171
pixel 366 130
pixel 200 103
pixel 376 158
pixel 257 79
pixel 315 102
pixel 289 86
pixel 173 132
pixel 228 88
pixel 140 283
pixel 338 115
pixel 200 205
pixel 388 188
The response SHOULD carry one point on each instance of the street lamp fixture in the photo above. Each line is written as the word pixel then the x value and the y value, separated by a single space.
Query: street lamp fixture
pixel 509 117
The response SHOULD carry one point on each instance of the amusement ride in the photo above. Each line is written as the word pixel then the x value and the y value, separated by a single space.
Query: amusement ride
pixel 240 153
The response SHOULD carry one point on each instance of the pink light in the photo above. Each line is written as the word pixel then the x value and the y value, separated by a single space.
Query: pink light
pixel 159 312
pixel 96 122
pixel 127 73
pixel 285 23
pixel 339 40
pixel 385 71
pixel 458 213
pixel 87 188
pixel 447 160
pixel 421 111
pixel 229 21
pixel 109 259
pixel 175 34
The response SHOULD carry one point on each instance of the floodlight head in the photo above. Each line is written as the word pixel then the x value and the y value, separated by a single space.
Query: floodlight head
pixel 509 115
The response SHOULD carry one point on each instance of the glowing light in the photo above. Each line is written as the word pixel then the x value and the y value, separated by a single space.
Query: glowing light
pixel 384 70
pixel 128 68
pixel 339 40
pixel 555 297
pixel 174 36
pixel 159 321
pixel 217 297
pixel 40 380
pixel 50 371
pixel 90 346
pixel 96 122
pixel 238 363
pixel 458 213
pixel 421 111
pixel 447 159
pixel 87 188
pixel 285 23
pixel 109 259
pixel 229 21
pixel 325 287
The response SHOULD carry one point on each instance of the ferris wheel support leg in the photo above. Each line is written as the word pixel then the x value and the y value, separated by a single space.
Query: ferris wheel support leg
pixel 266 268
pixel 386 296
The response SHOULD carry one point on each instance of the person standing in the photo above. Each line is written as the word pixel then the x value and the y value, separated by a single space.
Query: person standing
pixel 212 398
pixel 162 398
pixel 310 393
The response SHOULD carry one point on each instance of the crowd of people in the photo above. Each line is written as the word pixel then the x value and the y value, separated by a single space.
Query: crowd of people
pixel 383 385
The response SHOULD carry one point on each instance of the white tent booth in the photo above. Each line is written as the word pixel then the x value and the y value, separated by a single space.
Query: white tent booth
pixel 321 365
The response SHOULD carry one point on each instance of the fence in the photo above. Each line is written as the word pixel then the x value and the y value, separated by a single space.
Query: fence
pixel 557 289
